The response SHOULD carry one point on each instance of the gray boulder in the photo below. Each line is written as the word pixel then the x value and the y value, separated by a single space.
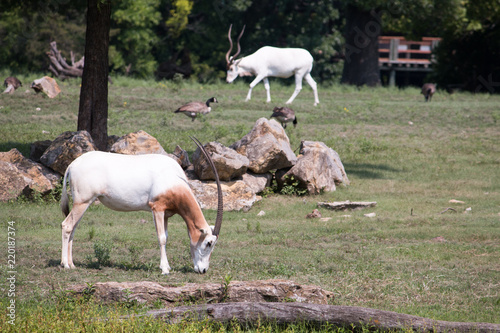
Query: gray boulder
pixel 137 143
pixel 236 195
pixel 257 182
pixel 228 162
pixel 318 168
pixel 19 175
pixel 266 146
pixel 65 149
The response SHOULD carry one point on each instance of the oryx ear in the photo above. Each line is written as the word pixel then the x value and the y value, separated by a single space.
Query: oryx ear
pixel 212 227
pixel 237 62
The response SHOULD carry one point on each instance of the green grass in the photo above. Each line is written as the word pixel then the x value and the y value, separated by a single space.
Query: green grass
pixel 410 156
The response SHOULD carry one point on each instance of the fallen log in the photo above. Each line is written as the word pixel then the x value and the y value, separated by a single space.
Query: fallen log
pixel 236 291
pixel 347 205
pixel 316 314
pixel 60 68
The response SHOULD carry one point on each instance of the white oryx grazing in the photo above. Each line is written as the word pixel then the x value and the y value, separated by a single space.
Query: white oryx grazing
pixel 154 183
pixel 271 61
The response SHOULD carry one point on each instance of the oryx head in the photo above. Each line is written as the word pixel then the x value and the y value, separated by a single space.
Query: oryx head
pixel 202 248
pixel 232 63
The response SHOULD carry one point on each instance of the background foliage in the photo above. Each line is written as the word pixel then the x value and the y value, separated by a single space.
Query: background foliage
pixel 148 33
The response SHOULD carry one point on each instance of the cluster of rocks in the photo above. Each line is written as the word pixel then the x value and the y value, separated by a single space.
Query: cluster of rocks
pixel 245 168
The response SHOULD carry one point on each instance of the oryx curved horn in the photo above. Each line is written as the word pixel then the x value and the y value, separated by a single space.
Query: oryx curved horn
pixel 220 204
pixel 231 44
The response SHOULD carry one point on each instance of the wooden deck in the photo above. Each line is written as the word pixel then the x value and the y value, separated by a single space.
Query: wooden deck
pixel 398 54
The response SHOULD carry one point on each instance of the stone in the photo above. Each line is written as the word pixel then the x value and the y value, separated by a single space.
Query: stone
pixel 65 149
pixel 318 168
pixel 19 175
pixel 46 85
pixel 137 143
pixel 37 149
pixel 181 156
pixel 111 141
pixel 236 195
pixel 257 182
pixel 266 146
pixel 147 292
pixel 228 162
pixel 314 214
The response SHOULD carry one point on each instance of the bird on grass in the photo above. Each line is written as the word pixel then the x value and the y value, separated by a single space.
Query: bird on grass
pixel 284 115
pixel 193 109
pixel 428 89
pixel 11 83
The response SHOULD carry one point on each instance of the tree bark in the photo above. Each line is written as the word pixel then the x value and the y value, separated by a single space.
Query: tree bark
pixel 316 314
pixel 361 50
pixel 93 111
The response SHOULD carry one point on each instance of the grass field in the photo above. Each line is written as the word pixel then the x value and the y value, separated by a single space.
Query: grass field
pixel 409 156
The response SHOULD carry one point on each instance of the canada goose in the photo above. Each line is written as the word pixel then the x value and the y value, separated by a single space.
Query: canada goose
pixel 428 89
pixel 192 109
pixel 12 83
pixel 284 115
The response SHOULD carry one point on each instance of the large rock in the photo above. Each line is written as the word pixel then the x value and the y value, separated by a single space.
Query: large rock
pixel 46 85
pixel 37 149
pixel 257 182
pixel 66 148
pixel 228 162
pixel 19 175
pixel 266 146
pixel 318 168
pixel 237 291
pixel 137 143
pixel 236 195
pixel 181 156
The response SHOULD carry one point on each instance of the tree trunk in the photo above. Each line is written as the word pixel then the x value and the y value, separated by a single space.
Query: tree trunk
pixel 316 314
pixel 93 111
pixel 361 50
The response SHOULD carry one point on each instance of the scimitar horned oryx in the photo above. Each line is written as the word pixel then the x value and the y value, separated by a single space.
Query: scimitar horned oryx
pixel 271 61
pixel 154 183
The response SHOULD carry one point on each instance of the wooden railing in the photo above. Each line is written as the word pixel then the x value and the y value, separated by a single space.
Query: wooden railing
pixel 398 54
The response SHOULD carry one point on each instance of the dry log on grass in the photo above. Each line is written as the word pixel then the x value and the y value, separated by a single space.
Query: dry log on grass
pixel 60 68
pixel 346 205
pixel 236 291
pixel 316 314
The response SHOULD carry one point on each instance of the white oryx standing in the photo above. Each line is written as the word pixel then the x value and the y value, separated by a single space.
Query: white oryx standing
pixel 271 61
pixel 154 183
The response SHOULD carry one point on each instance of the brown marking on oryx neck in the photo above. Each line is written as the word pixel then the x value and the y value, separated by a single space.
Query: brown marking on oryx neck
pixel 178 201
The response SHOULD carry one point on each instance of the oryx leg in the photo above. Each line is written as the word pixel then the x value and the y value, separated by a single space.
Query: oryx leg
pixel 68 231
pixel 268 89
pixel 314 87
pixel 298 87
pixel 161 224
pixel 253 84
